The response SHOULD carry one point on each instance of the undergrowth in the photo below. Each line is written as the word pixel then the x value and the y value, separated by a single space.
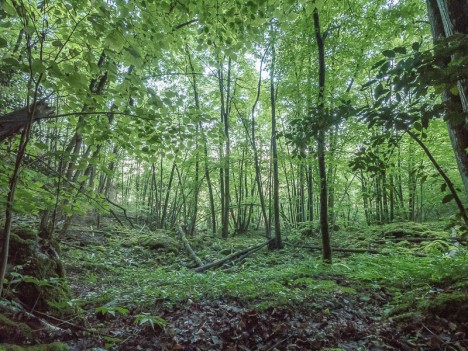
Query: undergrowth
pixel 136 276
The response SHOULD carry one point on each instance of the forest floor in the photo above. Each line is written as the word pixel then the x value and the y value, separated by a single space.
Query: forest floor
pixel 138 291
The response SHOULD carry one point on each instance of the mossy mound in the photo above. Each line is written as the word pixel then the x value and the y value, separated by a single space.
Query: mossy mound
pixel 56 346
pixel 11 330
pixel 436 246
pixel 451 305
pixel 158 240
pixel 412 229
pixel 38 277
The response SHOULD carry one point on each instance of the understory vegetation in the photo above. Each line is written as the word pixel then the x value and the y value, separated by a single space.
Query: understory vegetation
pixel 233 175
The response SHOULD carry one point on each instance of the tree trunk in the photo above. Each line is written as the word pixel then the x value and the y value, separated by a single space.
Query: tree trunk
pixel 276 205
pixel 258 175
pixel 327 255
pixel 447 18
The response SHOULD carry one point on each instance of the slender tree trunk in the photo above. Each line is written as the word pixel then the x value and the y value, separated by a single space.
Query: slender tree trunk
pixel 365 199
pixel 191 229
pixel 258 174
pixel 210 189
pixel 168 192
pixel 276 202
pixel 225 103
pixel 444 176
pixel 5 242
pixel 327 254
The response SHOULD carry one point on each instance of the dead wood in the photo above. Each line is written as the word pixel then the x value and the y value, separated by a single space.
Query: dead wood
pixel 411 240
pixel 12 123
pixel 188 248
pixel 231 257
pixel 368 251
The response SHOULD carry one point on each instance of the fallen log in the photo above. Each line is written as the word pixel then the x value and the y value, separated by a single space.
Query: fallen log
pixel 187 247
pixel 413 240
pixel 12 123
pixel 369 251
pixel 231 257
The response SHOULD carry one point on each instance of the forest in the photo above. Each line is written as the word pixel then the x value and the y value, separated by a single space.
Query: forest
pixel 233 175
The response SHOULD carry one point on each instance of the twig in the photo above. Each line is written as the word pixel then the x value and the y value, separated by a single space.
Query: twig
pixel 438 337
pixel 278 343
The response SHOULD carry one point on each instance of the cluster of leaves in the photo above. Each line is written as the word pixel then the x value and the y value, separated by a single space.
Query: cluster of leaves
pixel 408 84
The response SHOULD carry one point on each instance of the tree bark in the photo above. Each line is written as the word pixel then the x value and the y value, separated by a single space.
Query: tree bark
pixel 448 18
pixel 278 244
pixel 188 248
pixel 327 255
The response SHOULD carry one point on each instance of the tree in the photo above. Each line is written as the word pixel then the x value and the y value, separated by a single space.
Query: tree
pixel 448 18
pixel 327 256
pixel 274 151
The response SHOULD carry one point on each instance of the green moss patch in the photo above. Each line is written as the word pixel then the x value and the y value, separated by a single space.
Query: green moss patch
pixel 412 229
pixel 157 240
pixel 12 330
pixel 451 305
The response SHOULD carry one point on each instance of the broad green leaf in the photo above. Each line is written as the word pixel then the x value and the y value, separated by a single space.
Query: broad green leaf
pixel 388 53
pixel 9 8
pixel 448 198
pixel 400 50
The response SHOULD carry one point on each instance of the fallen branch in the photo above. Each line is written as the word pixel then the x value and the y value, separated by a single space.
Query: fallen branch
pixel 15 310
pixel 368 251
pixel 319 248
pixel 188 248
pixel 239 259
pixel 231 257
pixel 411 240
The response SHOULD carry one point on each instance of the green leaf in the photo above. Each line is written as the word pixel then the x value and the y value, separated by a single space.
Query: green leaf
pixel 388 53
pixel 38 67
pixel 115 40
pixel 454 90
pixel 368 84
pixel 379 63
pixel 9 8
pixel 448 198
pixel 400 50
pixel 416 46
pixel 10 61
pixel 3 43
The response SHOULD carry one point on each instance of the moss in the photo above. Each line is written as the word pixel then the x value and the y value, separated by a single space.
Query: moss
pixel 19 240
pixel 435 247
pixel 10 330
pixel 43 271
pixel 156 241
pixel 407 317
pixel 411 229
pixel 55 346
pixel 403 243
pixel 26 233
pixel 453 305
